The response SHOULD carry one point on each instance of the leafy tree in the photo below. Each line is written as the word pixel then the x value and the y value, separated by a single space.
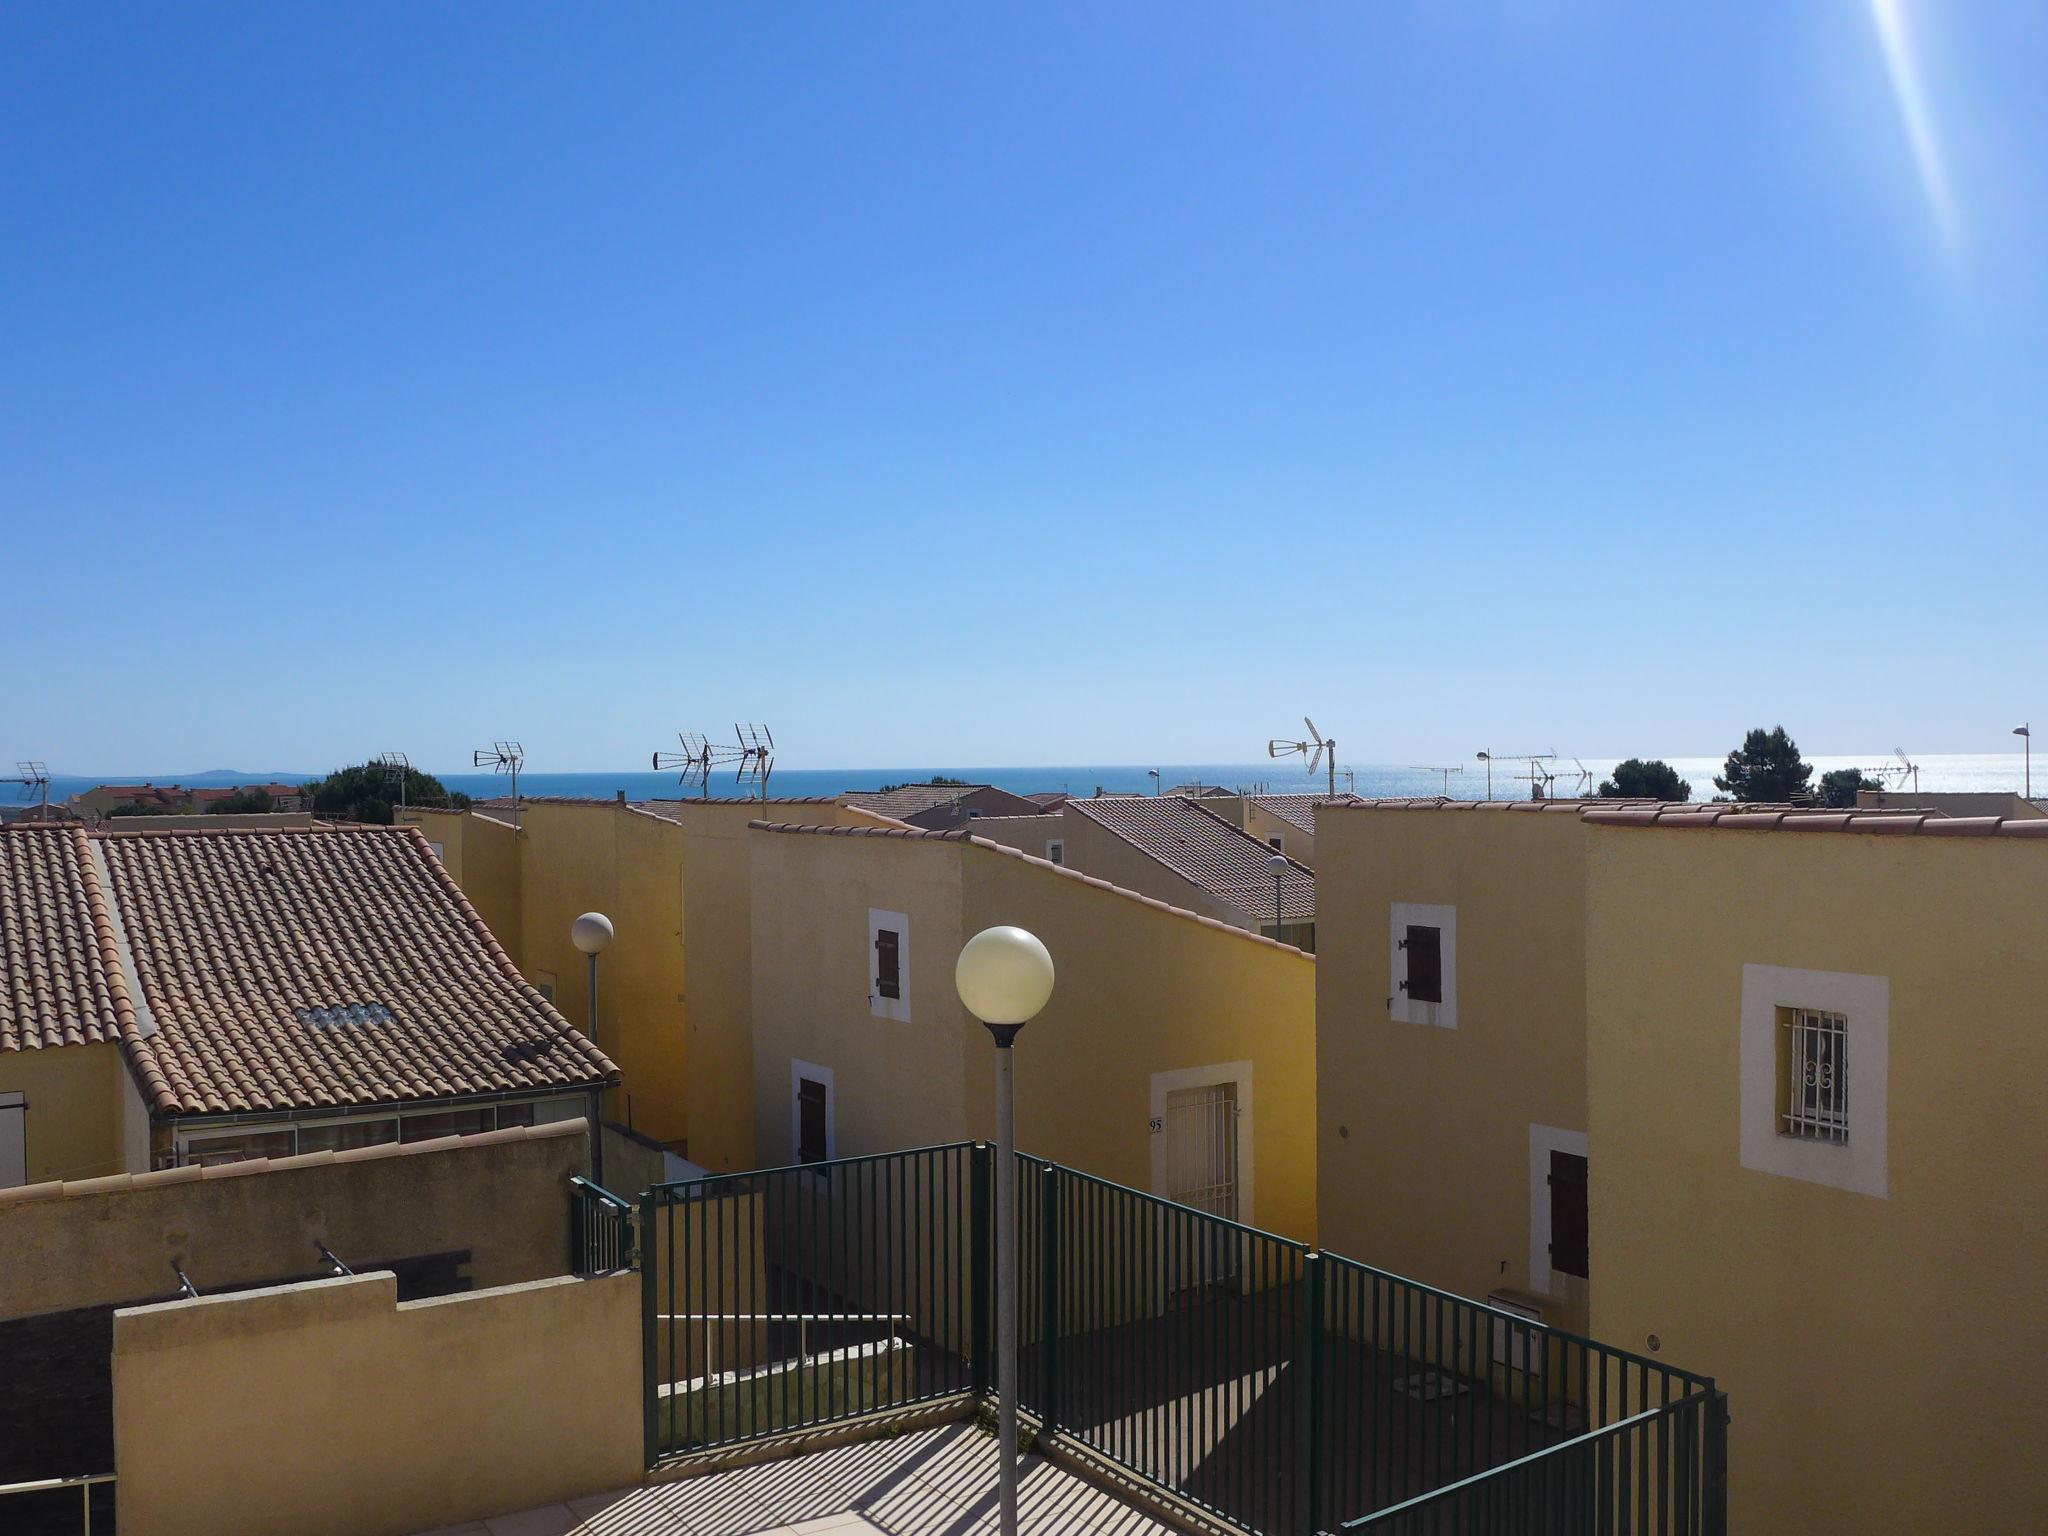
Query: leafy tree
pixel 242 802
pixel 1638 780
pixel 1765 768
pixel 1838 789
pixel 369 792
pixel 137 808
pixel 937 778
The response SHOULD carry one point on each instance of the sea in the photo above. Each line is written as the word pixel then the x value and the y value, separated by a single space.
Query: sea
pixel 1469 780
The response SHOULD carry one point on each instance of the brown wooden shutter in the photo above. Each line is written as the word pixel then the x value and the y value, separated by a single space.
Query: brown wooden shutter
pixel 1425 950
pixel 888 964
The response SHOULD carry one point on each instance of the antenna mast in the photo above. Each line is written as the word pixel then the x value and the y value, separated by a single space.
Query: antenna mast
pixel 32 776
pixel 503 757
pixel 397 767
pixel 1314 749
pixel 752 760
pixel 1446 771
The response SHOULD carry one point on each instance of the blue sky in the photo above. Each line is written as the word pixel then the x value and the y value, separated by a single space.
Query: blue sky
pixel 1030 384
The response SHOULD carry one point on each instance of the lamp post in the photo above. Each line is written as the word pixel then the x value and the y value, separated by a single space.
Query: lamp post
pixel 1279 867
pixel 1004 976
pixel 2027 746
pixel 1486 758
pixel 591 933
pixel 1153 775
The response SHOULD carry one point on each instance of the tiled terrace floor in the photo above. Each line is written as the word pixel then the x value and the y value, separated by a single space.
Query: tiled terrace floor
pixel 933 1482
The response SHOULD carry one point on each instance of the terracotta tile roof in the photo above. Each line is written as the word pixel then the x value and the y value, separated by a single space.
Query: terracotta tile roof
pixel 961 835
pixel 307 969
pixel 912 799
pixel 1205 849
pixel 60 978
pixel 1893 823
pixel 1299 810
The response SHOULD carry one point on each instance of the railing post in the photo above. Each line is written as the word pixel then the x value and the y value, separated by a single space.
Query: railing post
pixel 1312 1378
pixel 649 1305
pixel 1715 1492
pixel 1048 1297
pixel 978 1228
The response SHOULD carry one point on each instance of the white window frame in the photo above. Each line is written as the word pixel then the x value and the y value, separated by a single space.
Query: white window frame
pixel 1056 851
pixel 1165 1083
pixel 1858 1164
pixel 897 1008
pixel 1400 1007
pixel 798 1071
pixel 1544 1140
pixel 1277 842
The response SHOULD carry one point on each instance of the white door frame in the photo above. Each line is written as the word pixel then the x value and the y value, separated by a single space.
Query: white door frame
pixel 1238 1073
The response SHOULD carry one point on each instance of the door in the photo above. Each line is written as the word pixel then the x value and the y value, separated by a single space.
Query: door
pixel 1201 1170
pixel 813 1144
pixel 13 1140
pixel 1568 1238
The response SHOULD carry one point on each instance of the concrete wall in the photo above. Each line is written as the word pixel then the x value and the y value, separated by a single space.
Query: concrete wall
pixel 328 1409
pixel 1142 993
pixel 73 1120
pixel 1882 1352
pixel 1027 834
pixel 1263 824
pixel 1951 804
pixel 1424 1132
pixel 502 1195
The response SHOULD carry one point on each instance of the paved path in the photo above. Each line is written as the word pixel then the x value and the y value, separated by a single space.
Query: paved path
pixel 934 1482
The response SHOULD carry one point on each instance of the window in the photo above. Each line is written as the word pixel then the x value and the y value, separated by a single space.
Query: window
pixel 1277 843
pixel 1568 1214
pixel 341 1135
pixel 888 965
pixel 1816 1077
pixel 1813 1074
pixel 1056 851
pixel 1423 964
pixel 209 1150
pixel 453 1122
pixel 1424 982
pixel 813 1136
pixel 544 984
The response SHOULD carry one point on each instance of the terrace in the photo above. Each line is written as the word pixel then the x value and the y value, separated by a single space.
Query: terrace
pixel 1176 1367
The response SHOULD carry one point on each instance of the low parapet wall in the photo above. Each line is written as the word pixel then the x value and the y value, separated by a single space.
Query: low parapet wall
pixel 331 1409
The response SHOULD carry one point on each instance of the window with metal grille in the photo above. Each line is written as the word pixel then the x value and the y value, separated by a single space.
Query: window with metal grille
pixel 1568 1214
pixel 811 1142
pixel 1813 1084
pixel 888 963
pixel 1424 948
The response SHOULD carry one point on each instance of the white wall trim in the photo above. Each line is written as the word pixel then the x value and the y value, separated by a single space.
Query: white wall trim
pixel 1859 1164
pixel 881 1007
pixel 1443 1015
pixel 798 1071
pixel 1164 1083
pixel 1544 1140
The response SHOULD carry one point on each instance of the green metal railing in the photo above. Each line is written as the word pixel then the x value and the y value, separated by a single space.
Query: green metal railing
pixel 800 1296
pixel 1642 1473
pixel 600 1228
pixel 1283 1389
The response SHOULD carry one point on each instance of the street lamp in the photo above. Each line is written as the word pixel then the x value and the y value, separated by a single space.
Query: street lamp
pixel 2027 747
pixel 1004 976
pixel 1486 758
pixel 1279 866
pixel 591 933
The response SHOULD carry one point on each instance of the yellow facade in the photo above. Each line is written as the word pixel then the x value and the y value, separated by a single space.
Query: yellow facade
pixel 1148 1002
pixel 1882 1351
pixel 674 987
pixel 1428 1132
pixel 75 1098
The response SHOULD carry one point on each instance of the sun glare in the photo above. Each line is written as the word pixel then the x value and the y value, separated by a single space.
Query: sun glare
pixel 1910 92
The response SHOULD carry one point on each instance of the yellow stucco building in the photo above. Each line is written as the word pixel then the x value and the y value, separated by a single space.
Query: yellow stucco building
pixel 1177 1054
pixel 674 986
pixel 1710 1083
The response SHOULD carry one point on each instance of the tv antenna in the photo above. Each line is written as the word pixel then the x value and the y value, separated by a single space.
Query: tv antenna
pixel 396 767
pixel 1314 749
pixel 32 777
pixel 1905 768
pixel 503 757
pixel 1535 775
pixel 756 756
pixel 1583 780
pixel 695 760
pixel 1441 768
